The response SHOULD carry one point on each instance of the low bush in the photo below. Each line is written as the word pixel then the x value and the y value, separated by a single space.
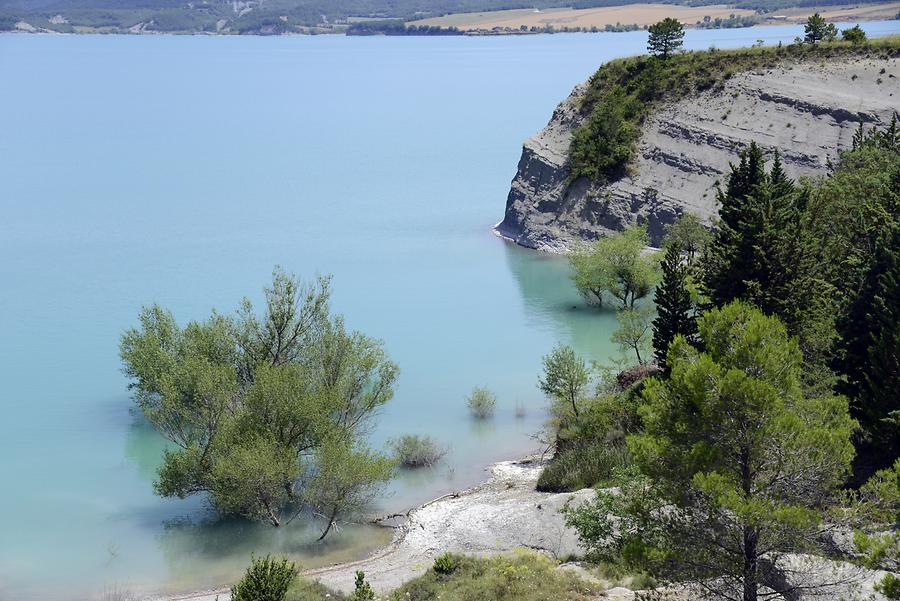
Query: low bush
pixel 482 403
pixel 527 576
pixel 580 467
pixel 363 590
pixel 266 579
pixel 889 586
pixel 413 451
pixel 446 563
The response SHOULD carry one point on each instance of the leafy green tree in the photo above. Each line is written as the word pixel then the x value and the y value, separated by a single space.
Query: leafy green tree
pixel 817 30
pixel 266 579
pixel 675 312
pixel 616 266
pixel 666 37
pixel 248 400
pixel 346 479
pixel 855 35
pixel 690 235
pixel 735 466
pixel 564 380
pixel 634 333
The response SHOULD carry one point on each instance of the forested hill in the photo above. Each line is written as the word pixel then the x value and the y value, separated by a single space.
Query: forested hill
pixel 274 16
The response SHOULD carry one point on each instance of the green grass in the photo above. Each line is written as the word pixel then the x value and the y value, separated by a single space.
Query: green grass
pixel 309 590
pixel 623 93
pixel 526 576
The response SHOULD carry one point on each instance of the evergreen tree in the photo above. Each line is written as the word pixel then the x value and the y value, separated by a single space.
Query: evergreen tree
pixel 870 341
pixel 674 309
pixel 761 253
pixel 816 30
pixel 855 35
pixel 883 375
pixel 731 255
pixel 666 37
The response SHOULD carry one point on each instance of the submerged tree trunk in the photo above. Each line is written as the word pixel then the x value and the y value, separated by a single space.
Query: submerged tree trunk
pixel 330 524
pixel 271 515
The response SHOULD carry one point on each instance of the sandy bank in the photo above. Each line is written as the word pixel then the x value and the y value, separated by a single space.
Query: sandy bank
pixel 502 514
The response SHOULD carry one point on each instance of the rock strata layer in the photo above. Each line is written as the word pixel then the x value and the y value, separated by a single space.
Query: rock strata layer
pixel 808 111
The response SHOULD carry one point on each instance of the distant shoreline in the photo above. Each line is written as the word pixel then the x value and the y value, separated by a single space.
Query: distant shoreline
pixel 627 17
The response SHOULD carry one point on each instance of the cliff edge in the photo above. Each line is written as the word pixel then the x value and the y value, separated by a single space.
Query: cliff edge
pixel 809 111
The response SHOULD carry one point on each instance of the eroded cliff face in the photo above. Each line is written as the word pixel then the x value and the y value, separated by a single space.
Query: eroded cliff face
pixel 809 112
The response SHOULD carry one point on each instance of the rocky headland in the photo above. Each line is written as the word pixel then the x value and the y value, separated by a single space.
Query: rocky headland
pixel 807 110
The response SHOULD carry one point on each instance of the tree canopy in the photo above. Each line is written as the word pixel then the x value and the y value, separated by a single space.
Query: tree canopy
pixel 735 464
pixel 255 404
pixel 817 30
pixel 616 266
pixel 666 37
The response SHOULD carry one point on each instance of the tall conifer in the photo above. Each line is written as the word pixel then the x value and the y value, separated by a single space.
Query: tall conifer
pixel 674 309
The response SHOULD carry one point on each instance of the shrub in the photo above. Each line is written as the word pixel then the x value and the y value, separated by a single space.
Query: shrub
pixel 889 586
pixel 446 563
pixel 526 576
pixel 363 591
pixel 580 467
pixel 266 579
pixel 482 403
pixel 412 451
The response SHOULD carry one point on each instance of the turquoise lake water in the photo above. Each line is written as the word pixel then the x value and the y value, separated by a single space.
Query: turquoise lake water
pixel 180 170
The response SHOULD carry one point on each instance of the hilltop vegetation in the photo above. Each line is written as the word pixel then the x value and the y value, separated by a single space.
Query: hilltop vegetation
pixel 623 92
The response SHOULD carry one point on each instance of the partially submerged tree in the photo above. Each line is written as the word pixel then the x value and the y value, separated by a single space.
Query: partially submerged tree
pixel 346 478
pixel 248 400
pixel 735 466
pixel 666 37
pixel 616 266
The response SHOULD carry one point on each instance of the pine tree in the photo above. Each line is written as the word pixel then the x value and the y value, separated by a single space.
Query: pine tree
pixel 675 311
pixel 870 345
pixel 882 378
pixel 731 257
pixel 816 29
pixel 666 37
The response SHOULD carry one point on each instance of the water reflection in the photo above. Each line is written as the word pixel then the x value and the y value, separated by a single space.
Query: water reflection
pixel 550 301
pixel 212 553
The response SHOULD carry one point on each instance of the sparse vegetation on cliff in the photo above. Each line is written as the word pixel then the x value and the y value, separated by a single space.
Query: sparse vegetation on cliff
pixel 623 92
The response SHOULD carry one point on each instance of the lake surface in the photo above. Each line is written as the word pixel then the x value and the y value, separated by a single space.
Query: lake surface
pixel 180 170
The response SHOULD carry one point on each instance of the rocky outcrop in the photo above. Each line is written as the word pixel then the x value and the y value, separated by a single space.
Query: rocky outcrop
pixel 808 111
